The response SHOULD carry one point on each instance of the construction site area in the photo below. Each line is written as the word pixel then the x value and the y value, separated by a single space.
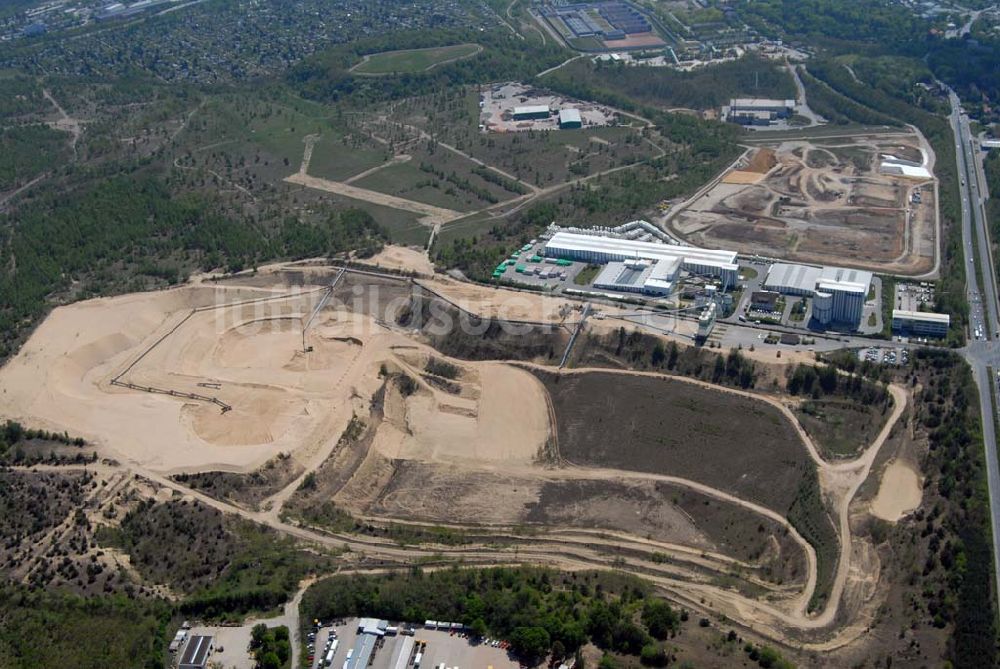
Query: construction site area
pixel 866 201
pixel 422 402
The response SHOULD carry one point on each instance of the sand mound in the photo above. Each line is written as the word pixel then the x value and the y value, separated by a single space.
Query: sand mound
pixel 265 343
pixel 260 416
pixel 404 258
pixel 742 177
pixel 509 421
pixel 762 161
pixel 898 494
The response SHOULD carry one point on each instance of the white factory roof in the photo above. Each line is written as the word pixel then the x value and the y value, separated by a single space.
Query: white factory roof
pixel 842 279
pixel 806 278
pixel 760 103
pixel 792 277
pixel 905 168
pixel 531 109
pixel 990 144
pixel 637 249
pixel 662 275
pixel 570 116
pixel 927 316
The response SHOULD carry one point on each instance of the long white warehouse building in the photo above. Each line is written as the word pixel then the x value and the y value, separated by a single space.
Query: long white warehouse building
pixel 592 248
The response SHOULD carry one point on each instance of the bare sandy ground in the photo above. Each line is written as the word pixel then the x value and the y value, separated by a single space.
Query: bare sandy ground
pixel 404 258
pixel 899 493
pixel 247 352
pixel 248 356
pixel 742 177
pixel 509 422
pixel 506 304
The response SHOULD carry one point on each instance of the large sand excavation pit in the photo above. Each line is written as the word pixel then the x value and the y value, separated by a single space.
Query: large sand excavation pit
pixel 249 356
pixel 242 346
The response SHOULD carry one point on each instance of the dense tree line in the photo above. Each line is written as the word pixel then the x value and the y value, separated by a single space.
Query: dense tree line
pixel 664 87
pixel 970 66
pixel 960 545
pixel 820 381
pixel 54 629
pixel 992 168
pixel 836 108
pixel 270 646
pixel 13 433
pixel 648 352
pixel 28 150
pixel 833 23
pixel 540 611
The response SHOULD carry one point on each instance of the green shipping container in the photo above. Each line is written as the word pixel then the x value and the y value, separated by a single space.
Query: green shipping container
pixel 519 269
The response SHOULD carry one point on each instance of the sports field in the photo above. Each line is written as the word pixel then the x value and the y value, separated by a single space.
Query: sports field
pixel 413 60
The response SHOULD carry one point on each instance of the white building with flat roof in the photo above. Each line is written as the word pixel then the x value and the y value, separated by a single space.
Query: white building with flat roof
pixel 920 323
pixel 640 276
pixel 600 249
pixel 838 293
pixel 531 112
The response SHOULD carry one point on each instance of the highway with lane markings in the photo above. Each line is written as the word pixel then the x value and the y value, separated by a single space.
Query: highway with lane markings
pixel 983 350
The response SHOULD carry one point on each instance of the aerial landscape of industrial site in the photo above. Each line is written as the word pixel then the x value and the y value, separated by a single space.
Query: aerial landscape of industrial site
pixel 496 335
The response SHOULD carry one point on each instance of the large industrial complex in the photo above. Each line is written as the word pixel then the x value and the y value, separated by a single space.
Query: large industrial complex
pixel 614 24
pixel 638 261
pixel 598 248
pixel 838 294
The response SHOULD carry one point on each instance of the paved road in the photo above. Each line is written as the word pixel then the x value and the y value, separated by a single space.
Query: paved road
pixel 983 352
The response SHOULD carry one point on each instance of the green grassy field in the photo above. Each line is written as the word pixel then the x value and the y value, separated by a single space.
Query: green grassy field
pixel 333 159
pixel 413 60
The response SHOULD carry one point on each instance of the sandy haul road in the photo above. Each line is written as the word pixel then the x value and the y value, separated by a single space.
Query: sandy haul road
pixel 247 350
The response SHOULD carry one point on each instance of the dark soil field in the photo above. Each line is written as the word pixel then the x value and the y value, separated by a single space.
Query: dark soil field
pixel 841 427
pixel 671 513
pixel 661 426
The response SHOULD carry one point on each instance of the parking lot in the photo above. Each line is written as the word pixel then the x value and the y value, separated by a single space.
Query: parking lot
pixel 232 645
pixel 910 296
pixel 436 648
pixel 884 356
pixel 529 267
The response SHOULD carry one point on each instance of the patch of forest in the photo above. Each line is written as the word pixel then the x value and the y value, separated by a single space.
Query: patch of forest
pixel 664 87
